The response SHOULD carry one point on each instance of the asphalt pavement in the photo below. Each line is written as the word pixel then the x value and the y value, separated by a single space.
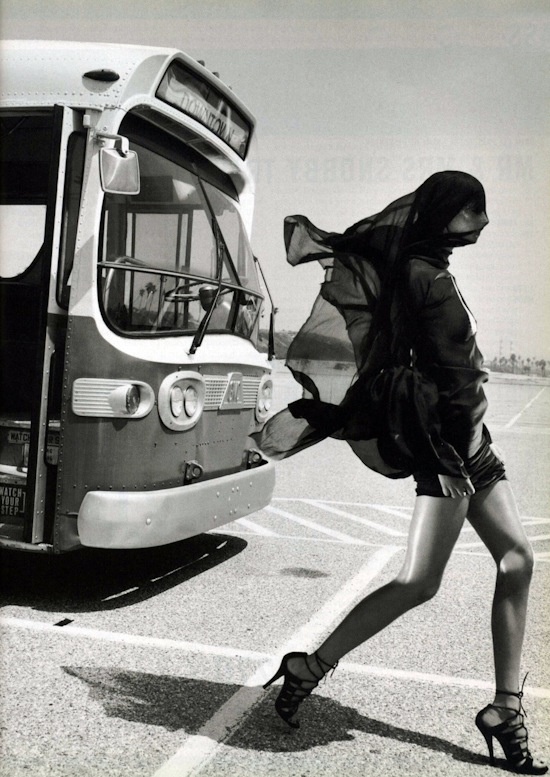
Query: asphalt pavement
pixel 150 663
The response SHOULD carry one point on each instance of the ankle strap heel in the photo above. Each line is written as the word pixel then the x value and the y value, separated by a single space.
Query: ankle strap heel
pixel 297 688
pixel 511 734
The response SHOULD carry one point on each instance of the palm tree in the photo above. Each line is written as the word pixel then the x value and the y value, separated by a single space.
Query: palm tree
pixel 151 290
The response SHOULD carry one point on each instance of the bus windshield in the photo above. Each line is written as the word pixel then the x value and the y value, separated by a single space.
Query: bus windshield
pixel 171 252
pixel 25 147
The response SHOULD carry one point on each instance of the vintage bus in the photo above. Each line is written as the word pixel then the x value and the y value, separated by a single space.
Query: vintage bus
pixel 132 362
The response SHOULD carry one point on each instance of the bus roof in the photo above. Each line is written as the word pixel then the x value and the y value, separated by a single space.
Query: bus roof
pixel 38 73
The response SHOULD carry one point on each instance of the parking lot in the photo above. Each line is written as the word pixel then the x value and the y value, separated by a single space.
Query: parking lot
pixel 150 663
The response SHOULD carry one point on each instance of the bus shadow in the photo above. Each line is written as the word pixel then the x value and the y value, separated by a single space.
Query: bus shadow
pixel 90 580
pixel 186 705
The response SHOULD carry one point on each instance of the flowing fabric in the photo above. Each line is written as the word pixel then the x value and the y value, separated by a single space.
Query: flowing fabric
pixel 353 355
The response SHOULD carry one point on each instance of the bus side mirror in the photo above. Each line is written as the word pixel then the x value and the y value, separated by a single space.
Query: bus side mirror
pixel 118 166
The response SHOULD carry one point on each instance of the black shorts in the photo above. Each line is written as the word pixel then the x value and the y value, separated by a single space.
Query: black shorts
pixel 484 468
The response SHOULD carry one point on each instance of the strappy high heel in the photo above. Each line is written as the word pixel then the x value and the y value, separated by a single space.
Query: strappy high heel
pixel 295 689
pixel 512 736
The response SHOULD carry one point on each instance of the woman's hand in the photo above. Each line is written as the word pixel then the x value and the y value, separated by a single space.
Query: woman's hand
pixel 456 487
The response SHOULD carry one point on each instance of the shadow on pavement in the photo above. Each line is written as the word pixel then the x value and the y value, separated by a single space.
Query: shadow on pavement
pixel 95 580
pixel 186 704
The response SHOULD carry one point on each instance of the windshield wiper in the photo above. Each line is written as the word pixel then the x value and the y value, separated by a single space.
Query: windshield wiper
pixel 220 248
pixel 271 335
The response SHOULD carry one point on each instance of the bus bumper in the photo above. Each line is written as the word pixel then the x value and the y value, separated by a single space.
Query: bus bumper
pixel 145 519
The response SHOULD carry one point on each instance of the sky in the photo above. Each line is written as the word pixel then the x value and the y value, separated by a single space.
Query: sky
pixel 357 102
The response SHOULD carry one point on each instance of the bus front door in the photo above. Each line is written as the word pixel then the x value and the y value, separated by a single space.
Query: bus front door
pixel 32 327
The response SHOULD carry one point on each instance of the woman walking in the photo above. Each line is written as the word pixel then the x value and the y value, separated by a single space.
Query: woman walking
pixel 416 407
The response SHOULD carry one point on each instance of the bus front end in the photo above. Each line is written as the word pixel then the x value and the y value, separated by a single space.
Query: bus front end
pixel 133 315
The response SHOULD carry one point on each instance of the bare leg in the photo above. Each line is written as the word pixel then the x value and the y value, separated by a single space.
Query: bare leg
pixel 494 515
pixel 435 526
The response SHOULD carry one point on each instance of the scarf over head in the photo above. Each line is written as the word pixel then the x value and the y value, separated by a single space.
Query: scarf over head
pixel 352 331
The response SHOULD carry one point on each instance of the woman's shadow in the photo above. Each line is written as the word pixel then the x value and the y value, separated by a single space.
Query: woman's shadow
pixel 187 704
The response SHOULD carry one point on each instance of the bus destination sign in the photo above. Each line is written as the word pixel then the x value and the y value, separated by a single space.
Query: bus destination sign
pixel 189 93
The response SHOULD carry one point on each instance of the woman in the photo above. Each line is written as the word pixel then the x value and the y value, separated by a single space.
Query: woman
pixel 416 407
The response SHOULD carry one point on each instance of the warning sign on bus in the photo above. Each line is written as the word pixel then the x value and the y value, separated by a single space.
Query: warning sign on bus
pixel 12 500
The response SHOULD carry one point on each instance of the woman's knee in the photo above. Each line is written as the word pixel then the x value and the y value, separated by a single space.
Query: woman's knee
pixel 418 590
pixel 515 568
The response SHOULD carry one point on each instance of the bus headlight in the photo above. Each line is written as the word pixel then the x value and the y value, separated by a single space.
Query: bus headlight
pixel 111 398
pixel 181 400
pixel 132 400
pixel 190 401
pixel 176 401
pixel 265 398
pixel 125 400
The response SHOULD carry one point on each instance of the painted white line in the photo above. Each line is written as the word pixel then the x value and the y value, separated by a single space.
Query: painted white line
pixel 342 502
pixel 122 593
pixel 286 537
pixel 315 526
pixel 199 749
pixel 434 679
pixel 178 569
pixel 534 538
pixel 400 512
pixel 355 518
pixel 486 554
pixel 256 527
pixel 513 420
pixel 252 655
pixel 132 639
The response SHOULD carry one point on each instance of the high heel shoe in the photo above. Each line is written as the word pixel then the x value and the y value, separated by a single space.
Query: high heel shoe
pixel 512 736
pixel 295 689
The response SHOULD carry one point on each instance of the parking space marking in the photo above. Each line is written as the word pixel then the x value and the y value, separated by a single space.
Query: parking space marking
pixel 256 527
pixel 297 537
pixel 251 655
pixel 534 538
pixel 399 511
pixel 434 679
pixel 132 639
pixel 199 749
pixel 513 420
pixel 338 537
pixel 329 508
pixel 346 538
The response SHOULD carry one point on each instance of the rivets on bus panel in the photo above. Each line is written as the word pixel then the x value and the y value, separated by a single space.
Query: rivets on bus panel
pixel 148 521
